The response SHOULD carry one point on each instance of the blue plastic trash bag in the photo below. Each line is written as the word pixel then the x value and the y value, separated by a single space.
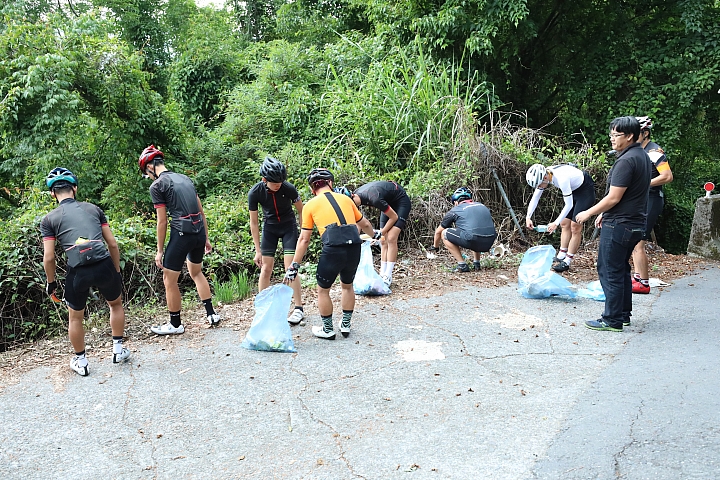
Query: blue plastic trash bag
pixel 593 290
pixel 367 280
pixel 535 280
pixel 270 331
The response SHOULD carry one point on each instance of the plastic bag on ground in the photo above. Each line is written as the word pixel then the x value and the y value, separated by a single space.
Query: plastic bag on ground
pixel 593 291
pixel 535 280
pixel 367 280
pixel 270 331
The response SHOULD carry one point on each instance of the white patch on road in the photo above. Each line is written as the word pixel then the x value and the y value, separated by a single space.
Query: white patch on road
pixel 419 350
pixel 515 319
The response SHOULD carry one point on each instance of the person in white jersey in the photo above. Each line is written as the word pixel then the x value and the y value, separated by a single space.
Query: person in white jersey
pixel 578 190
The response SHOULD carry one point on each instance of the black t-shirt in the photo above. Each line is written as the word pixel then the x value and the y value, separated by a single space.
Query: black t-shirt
pixel 632 169
pixel 380 194
pixel 277 206
pixel 78 227
pixel 657 157
pixel 471 217
pixel 176 192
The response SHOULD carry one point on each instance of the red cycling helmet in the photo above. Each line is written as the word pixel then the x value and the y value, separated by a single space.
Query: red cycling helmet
pixel 147 156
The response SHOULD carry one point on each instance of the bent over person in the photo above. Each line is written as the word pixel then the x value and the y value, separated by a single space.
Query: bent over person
pixel 661 175
pixel 174 194
pixel 93 260
pixel 578 190
pixel 337 219
pixel 621 220
pixel 473 229
pixel 394 205
pixel 276 196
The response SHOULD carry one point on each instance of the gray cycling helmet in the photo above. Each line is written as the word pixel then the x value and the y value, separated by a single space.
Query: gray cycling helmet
pixel 273 170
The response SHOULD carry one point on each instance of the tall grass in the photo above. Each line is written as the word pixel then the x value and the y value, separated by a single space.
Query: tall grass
pixel 237 288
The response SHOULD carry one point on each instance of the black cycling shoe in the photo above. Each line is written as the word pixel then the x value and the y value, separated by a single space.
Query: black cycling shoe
pixel 461 268
pixel 561 266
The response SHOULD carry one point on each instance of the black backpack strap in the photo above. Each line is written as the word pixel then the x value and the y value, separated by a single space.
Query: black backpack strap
pixel 335 206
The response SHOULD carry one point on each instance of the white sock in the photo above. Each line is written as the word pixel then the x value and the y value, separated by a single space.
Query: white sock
pixel 383 267
pixel 568 258
pixel 389 269
pixel 561 255
pixel 117 346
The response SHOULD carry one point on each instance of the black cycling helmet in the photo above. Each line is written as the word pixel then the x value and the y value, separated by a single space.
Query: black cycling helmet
pixel 273 170
pixel 344 191
pixel 60 177
pixel 461 194
pixel 317 174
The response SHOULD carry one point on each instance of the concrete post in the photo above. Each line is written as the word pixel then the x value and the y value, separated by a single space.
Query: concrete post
pixel 705 234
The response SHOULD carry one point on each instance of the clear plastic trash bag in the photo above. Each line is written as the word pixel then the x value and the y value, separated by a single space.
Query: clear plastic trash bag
pixel 270 330
pixel 367 280
pixel 535 280
pixel 593 290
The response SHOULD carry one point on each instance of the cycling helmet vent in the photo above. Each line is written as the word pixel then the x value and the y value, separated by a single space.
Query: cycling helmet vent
pixel 60 177
pixel 461 194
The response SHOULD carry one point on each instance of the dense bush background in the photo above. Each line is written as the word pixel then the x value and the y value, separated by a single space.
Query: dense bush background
pixel 433 95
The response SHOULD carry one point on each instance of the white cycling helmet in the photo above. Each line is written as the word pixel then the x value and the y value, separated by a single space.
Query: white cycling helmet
pixel 535 175
pixel 645 123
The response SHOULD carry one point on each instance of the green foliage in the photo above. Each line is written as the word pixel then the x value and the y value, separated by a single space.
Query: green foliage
pixel 238 287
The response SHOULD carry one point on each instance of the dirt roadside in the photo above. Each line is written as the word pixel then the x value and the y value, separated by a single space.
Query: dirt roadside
pixel 414 276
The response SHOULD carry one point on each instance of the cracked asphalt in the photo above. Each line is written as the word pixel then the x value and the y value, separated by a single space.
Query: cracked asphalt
pixel 477 383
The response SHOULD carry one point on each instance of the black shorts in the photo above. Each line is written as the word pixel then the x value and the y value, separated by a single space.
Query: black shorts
pixel 101 275
pixel 272 233
pixel 655 208
pixel 476 243
pixel 402 208
pixel 583 197
pixel 182 246
pixel 337 259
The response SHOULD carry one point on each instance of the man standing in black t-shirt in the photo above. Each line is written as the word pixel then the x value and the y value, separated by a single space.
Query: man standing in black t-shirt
pixel 174 194
pixel 277 197
pixel 468 225
pixel 81 228
pixel 622 215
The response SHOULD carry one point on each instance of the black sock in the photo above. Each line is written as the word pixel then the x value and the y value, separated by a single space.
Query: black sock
pixel 80 354
pixel 209 306
pixel 299 307
pixel 175 319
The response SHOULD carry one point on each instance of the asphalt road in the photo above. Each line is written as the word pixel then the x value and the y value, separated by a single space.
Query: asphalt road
pixel 478 383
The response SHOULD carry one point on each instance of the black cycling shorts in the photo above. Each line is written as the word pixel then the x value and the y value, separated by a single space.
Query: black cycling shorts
pixel 655 208
pixel 402 208
pixel 101 275
pixel 583 197
pixel 337 259
pixel 183 246
pixel 272 233
pixel 476 243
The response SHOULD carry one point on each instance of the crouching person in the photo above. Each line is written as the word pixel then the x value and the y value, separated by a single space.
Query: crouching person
pixel 473 229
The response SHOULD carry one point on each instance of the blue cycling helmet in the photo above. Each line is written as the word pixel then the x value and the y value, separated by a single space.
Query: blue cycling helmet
pixel 344 191
pixel 60 177
pixel 461 194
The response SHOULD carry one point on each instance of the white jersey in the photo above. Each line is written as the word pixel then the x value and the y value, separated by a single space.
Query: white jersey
pixel 565 177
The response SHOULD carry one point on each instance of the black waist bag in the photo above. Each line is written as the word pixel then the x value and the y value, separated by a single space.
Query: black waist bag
pixel 86 252
pixel 342 234
pixel 192 223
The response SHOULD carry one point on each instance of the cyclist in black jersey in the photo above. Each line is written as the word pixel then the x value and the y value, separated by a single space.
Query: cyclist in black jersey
pixel 93 261
pixel 661 175
pixel 174 194
pixel 277 197
pixel 474 229
pixel 394 205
